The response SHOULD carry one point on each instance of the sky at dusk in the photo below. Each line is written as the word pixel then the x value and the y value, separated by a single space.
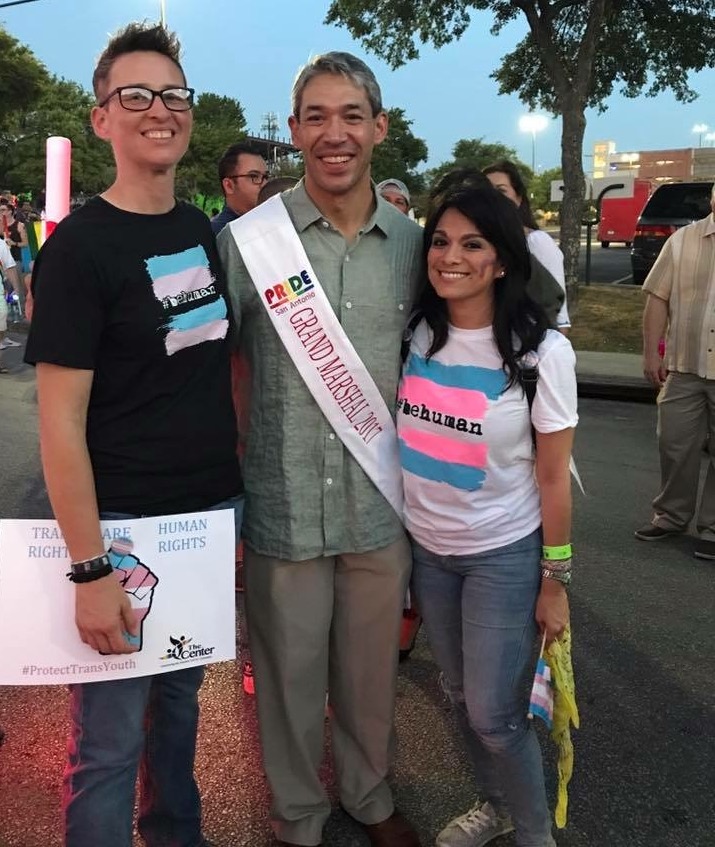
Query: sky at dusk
pixel 251 51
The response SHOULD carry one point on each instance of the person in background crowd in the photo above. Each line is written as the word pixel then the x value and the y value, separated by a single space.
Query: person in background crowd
pixel 16 239
pixel 9 271
pixel 136 419
pixel 679 291
pixel 276 185
pixel 326 560
pixel 241 173
pixel 396 192
pixel 505 177
pixel 487 512
pixel 11 276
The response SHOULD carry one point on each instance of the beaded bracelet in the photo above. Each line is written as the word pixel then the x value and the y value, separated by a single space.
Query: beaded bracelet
pixel 557 566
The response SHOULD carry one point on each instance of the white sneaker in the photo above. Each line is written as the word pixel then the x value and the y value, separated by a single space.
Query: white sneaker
pixel 8 342
pixel 480 825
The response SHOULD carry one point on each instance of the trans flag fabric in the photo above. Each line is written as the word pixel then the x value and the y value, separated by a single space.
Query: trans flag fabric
pixel 541 701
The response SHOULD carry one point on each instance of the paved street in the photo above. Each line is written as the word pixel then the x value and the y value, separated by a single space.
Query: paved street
pixel 643 627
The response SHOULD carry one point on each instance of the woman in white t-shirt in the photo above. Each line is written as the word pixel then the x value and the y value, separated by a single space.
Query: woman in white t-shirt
pixel 489 516
pixel 505 177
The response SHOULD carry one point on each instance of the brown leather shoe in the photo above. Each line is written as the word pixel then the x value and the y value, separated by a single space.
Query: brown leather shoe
pixel 396 831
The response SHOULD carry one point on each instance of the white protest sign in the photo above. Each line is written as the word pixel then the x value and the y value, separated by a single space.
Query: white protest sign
pixel 178 572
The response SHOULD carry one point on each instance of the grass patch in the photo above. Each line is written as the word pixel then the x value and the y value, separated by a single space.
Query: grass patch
pixel 607 319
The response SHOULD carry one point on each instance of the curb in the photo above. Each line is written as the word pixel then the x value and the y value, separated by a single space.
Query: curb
pixel 625 390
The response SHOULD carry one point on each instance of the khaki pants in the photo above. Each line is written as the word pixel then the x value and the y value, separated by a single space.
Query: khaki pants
pixel 329 624
pixel 686 416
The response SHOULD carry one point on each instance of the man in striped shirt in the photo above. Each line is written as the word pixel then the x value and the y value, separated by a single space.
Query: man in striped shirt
pixel 681 296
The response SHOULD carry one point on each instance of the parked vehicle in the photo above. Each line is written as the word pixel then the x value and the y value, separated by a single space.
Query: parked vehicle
pixel 671 206
pixel 620 214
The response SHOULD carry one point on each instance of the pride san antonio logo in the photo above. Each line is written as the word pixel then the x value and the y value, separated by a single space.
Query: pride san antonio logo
pixel 183 649
pixel 288 289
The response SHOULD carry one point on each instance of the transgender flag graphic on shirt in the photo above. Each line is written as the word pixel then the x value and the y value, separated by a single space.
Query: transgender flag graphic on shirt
pixel 186 278
pixel 441 410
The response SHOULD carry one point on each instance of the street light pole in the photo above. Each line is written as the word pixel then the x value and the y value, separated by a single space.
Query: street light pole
pixel 533 124
pixel 162 12
pixel 699 129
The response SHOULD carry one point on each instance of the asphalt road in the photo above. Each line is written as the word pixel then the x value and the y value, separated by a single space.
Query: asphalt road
pixel 611 266
pixel 643 627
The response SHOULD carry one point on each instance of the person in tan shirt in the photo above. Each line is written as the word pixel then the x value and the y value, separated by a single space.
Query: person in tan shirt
pixel 680 292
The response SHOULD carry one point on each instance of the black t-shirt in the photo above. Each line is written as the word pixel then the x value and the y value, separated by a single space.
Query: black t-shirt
pixel 141 301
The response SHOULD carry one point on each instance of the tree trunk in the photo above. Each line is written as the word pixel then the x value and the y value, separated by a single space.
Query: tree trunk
pixel 574 126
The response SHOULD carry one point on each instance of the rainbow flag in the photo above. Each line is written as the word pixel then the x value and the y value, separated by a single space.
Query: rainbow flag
pixel 34 237
pixel 541 702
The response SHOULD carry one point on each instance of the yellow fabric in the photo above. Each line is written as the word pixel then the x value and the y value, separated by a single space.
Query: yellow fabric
pixel 558 657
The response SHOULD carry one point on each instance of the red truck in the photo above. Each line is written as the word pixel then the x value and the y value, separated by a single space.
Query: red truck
pixel 619 214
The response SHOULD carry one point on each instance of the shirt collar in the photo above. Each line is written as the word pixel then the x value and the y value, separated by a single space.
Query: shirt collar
pixel 305 212
pixel 710 226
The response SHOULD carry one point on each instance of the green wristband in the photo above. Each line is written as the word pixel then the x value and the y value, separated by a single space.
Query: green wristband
pixel 555 554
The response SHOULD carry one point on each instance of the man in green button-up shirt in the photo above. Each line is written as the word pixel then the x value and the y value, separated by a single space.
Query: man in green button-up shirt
pixel 326 559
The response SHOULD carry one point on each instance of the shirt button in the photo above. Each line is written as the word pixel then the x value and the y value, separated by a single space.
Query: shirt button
pixel 328 481
pixel 348 305
pixel 347 258
pixel 400 306
pixel 326 224
pixel 332 436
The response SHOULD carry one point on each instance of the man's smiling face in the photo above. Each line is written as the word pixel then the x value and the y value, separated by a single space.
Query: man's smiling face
pixel 336 132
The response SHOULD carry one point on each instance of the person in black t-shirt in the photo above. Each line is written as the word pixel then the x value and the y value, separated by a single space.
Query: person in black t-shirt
pixel 129 335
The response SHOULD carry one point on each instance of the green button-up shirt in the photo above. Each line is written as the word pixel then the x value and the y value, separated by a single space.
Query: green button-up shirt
pixel 306 496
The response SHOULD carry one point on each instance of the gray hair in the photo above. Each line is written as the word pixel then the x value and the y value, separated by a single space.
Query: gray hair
pixel 345 64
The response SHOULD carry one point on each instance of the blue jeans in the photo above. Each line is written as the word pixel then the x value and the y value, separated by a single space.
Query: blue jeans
pixel 115 727
pixel 478 612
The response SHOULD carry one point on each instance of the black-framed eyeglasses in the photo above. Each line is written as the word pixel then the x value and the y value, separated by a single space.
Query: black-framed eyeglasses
pixel 136 98
pixel 256 177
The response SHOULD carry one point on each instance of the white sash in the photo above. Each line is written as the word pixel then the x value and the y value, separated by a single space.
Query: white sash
pixel 316 342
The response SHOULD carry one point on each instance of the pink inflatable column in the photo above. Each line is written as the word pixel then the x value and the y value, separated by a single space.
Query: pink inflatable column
pixel 57 186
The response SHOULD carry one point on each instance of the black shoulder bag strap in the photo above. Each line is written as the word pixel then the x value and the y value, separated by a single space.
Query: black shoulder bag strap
pixel 414 319
pixel 528 378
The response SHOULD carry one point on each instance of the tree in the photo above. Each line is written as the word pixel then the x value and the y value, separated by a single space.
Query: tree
pixel 22 76
pixel 62 109
pixel 218 123
pixel 574 55
pixel 540 190
pixel 476 153
pixel 400 153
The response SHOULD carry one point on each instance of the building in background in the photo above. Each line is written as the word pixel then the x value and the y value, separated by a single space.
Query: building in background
pixel 690 164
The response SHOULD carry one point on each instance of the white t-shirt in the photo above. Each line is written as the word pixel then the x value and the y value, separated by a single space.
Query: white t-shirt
pixel 466 444
pixel 6 260
pixel 543 247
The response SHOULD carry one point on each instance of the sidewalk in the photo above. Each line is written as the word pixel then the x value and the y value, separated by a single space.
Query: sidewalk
pixel 616 376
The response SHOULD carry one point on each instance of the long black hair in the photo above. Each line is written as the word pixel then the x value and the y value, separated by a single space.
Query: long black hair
pixel 519 323
pixel 504 166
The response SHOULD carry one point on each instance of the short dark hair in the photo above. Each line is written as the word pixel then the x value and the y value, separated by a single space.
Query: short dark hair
pixel 519 323
pixel 504 166
pixel 134 38
pixel 276 186
pixel 227 162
